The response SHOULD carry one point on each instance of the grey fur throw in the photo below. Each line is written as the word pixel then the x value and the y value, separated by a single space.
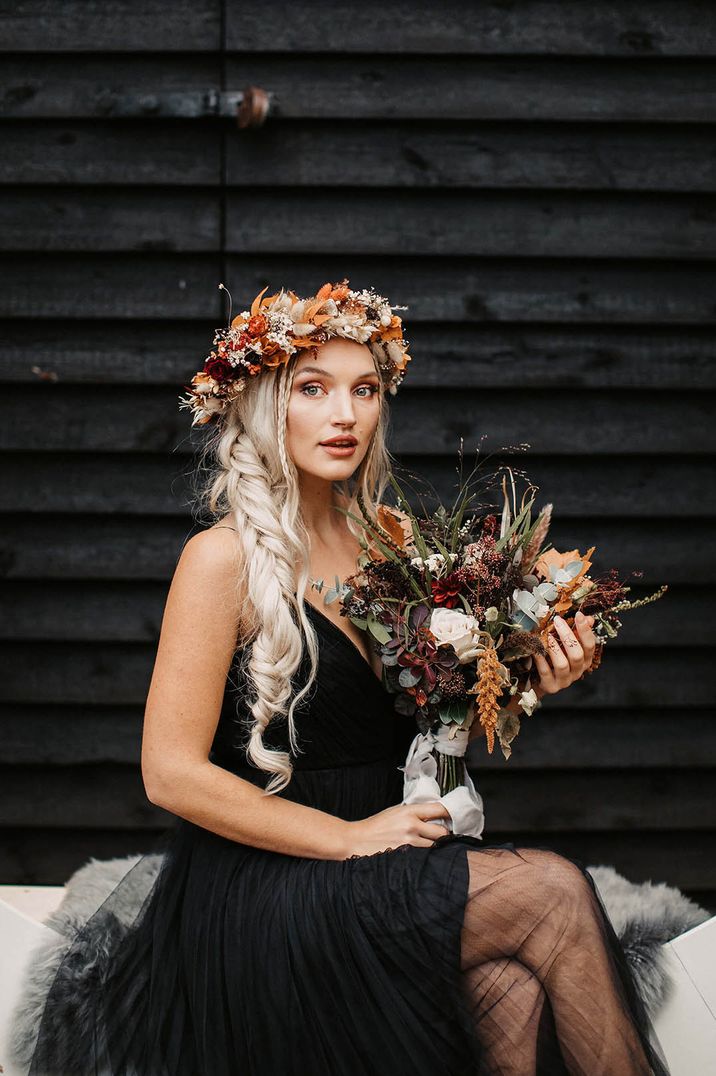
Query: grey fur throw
pixel 644 917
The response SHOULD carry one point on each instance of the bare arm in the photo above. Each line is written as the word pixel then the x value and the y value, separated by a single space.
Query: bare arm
pixel 200 627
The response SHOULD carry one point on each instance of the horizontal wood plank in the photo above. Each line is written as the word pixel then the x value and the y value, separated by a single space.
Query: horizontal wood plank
pixel 113 797
pixel 113 25
pixel 618 493
pixel 406 26
pixel 52 219
pixel 429 155
pixel 337 86
pixel 53 735
pixel 495 224
pixel 532 89
pixel 86 418
pixel 444 355
pixel 546 27
pixel 97 673
pixel 95 287
pixel 131 611
pixel 479 156
pixel 520 225
pixel 130 154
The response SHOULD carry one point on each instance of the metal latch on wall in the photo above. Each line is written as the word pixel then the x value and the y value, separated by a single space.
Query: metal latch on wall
pixel 249 107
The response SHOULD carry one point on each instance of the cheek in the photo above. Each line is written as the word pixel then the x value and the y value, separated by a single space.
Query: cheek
pixel 300 421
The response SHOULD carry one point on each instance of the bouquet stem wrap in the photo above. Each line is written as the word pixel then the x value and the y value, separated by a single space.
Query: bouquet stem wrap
pixel 420 784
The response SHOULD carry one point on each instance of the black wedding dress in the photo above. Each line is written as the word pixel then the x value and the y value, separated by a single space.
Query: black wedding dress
pixel 463 957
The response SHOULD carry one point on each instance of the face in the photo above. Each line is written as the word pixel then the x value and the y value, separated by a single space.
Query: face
pixel 335 394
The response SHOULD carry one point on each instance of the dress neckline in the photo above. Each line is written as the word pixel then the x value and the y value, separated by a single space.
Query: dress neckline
pixel 347 640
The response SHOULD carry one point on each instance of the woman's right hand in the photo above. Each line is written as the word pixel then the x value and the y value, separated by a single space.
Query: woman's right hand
pixel 404 823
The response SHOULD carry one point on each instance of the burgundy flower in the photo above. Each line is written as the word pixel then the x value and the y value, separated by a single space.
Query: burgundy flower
pixel 219 369
pixel 446 590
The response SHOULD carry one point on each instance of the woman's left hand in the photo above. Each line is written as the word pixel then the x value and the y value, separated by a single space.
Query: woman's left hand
pixel 568 660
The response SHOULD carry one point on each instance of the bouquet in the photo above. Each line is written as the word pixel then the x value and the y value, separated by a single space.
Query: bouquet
pixel 457 604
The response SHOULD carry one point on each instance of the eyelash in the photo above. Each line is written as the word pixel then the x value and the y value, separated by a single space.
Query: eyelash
pixel 315 384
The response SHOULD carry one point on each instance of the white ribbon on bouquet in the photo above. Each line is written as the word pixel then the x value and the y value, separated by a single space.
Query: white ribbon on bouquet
pixel 420 781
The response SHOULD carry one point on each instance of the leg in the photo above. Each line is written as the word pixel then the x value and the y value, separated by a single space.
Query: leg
pixel 540 908
pixel 513 1018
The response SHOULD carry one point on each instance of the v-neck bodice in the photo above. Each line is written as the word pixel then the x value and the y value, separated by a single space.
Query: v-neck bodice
pixel 347 718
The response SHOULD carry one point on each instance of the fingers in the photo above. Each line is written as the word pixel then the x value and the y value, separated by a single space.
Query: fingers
pixel 572 648
pixel 569 660
pixel 433 809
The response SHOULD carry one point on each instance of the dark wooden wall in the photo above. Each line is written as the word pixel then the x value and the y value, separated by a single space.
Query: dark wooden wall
pixel 537 181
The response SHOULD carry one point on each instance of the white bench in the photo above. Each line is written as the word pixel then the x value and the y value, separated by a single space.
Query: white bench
pixel 685 1024
pixel 22 910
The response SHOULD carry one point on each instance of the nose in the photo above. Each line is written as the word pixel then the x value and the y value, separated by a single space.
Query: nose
pixel 344 409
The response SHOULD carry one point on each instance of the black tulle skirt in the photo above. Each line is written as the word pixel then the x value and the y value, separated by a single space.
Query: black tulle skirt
pixel 465 957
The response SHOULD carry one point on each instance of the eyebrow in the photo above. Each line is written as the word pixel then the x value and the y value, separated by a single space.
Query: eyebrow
pixel 318 370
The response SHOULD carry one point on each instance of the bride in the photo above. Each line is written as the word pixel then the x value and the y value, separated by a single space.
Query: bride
pixel 305 921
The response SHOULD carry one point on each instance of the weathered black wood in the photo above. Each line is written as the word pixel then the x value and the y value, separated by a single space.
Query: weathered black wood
pixel 393 88
pixel 470 88
pixel 93 673
pixel 537 185
pixel 546 27
pixel 429 155
pixel 480 356
pixel 141 539
pixel 96 220
pixel 524 225
pixel 108 796
pixel 132 611
pixel 62 88
pixel 117 25
pixel 493 224
pixel 551 739
pixel 96 153
pixel 136 484
pixel 97 287
pixel 522 155
pixel 407 26
pixel 86 418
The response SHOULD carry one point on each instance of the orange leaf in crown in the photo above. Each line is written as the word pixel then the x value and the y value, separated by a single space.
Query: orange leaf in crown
pixel 324 292
pixel 256 304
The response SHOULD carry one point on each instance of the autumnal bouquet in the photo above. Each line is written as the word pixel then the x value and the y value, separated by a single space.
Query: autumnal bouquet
pixel 457 604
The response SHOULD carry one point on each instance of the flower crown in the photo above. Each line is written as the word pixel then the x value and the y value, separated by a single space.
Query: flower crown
pixel 279 325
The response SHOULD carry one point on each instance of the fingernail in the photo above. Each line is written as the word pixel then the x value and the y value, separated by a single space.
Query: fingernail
pixel 580 615
pixel 558 620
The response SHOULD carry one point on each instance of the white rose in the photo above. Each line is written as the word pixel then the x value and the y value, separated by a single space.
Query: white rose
pixel 529 701
pixel 458 629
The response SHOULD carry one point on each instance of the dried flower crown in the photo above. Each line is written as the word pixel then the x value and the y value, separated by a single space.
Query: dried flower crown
pixel 279 325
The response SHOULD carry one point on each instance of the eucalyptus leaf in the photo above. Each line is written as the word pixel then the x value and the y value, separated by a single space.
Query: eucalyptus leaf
pixel 408 677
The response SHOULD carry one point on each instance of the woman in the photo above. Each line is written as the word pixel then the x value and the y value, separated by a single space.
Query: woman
pixel 304 920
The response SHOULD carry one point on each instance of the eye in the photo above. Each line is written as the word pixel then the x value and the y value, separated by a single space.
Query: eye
pixel 315 385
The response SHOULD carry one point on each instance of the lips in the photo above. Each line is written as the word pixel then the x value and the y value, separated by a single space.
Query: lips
pixel 344 442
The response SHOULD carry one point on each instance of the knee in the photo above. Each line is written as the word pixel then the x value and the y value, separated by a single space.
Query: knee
pixel 559 882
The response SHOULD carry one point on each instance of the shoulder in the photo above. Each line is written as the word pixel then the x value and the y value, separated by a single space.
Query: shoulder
pixel 210 567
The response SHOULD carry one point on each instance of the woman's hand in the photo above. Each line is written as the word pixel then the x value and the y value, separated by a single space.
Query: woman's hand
pixel 570 659
pixel 404 823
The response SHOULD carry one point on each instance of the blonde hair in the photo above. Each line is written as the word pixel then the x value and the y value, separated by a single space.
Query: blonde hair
pixel 251 476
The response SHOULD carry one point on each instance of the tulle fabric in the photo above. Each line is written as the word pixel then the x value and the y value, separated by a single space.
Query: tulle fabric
pixel 464 957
